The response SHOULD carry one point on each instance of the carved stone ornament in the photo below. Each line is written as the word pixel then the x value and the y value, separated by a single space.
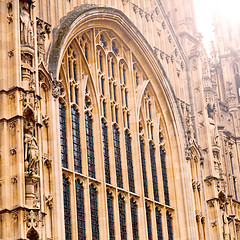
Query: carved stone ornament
pixel 13 151
pixel 33 219
pixel 49 201
pixel 26 25
pixel 30 148
pixel 14 179
pixel 56 86
pixel 125 2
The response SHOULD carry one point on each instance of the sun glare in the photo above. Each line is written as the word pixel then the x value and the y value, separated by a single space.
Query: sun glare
pixel 206 10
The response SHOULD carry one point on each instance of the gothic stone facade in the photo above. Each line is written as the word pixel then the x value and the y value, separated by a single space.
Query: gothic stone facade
pixel 115 124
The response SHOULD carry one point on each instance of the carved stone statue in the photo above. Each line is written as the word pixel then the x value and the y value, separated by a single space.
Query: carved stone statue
pixel 31 148
pixel 26 25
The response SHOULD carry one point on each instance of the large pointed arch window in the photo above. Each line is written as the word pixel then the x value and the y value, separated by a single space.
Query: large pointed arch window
pixel 103 149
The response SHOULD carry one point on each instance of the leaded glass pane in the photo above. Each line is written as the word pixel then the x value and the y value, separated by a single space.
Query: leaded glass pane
pixel 112 67
pixel 106 152
pixel 114 48
pixel 63 134
pixel 75 71
pixel 134 216
pixel 67 209
pixel 86 51
pixel 159 224
pixel 124 75
pixel 110 216
pixel 80 211
pixel 144 171
pixel 114 92
pixel 76 95
pixel 126 98
pixel 164 176
pixel 128 145
pixel 100 62
pixel 149 223
pixel 76 140
pixel 154 171
pixel 117 153
pixel 122 218
pixel 102 85
pixel 90 145
pixel 94 213
pixel 169 226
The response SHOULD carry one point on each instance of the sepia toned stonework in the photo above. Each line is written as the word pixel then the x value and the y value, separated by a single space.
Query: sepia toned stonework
pixel 115 123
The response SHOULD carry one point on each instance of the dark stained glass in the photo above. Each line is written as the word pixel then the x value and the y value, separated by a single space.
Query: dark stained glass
pixel 117 153
pixel 76 95
pixel 67 209
pixel 70 90
pixel 86 51
pixel 116 114
pixel 112 67
pixel 164 176
pixel 76 140
pixel 149 222
pixel 94 213
pixel 100 62
pixel 114 92
pixel 75 71
pixel 154 171
pixel 136 78
pixel 102 41
pixel 69 69
pixel 114 48
pixel 169 226
pixel 149 110
pixel 90 145
pixel 104 108
pixel 144 171
pixel 102 85
pixel 63 134
pixel 126 98
pixel 106 152
pixel 80 211
pixel 134 216
pixel 122 218
pixel 110 216
pixel 159 224
pixel 128 145
pixel 124 75
pixel 128 122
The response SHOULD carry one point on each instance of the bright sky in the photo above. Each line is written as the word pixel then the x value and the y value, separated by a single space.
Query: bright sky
pixel 204 14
